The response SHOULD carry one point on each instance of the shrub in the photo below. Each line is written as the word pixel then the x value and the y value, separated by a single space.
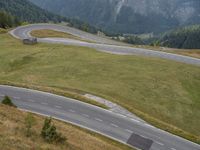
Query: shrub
pixel 7 20
pixel 50 134
pixel 29 123
pixel 24 23
pixel 3 31
pixel 8 101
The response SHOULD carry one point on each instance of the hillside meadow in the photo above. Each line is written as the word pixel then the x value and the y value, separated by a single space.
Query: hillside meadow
pixel 162 92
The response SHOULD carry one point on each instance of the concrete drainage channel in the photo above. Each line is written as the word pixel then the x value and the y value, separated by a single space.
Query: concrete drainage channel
pixel 114 107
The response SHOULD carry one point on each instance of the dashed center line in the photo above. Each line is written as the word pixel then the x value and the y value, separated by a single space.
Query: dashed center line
pixel 16 97
pixel 85 115
pixel 2 95
pixel 44 103
pixel 58 106
pixel 129 131
pixel 159 143
pixel 114 125
pixel 72 111
pixel 144 136
pixel 98 119
pixel 32 100
pixel 173 149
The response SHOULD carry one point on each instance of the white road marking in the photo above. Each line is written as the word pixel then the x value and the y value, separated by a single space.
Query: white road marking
pixel 149 125
pixel 72 111
pixel 159 143
pixel 31 100
pixel 114 125
pixel 2 95
pixel 58 106
pixel 98 119
pixel 129 131
pixel 144 136
pixel 16 97
pixel 173 149
pixel 44 103
pixel 135 120
pixel 122 115
pixel 109 111
pixel 85 115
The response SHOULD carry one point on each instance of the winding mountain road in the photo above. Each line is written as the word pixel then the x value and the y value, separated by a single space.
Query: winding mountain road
pixel 118 127
pixel 129 131
pixel 101 44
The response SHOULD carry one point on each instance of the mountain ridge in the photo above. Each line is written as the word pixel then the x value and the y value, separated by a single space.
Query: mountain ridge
pixel 26 11
pixel 128 16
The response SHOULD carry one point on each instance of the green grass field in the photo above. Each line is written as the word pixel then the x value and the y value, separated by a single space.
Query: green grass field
pixel 163 92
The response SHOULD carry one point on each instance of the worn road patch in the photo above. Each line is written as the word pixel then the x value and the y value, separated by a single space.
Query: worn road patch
pixel 140 142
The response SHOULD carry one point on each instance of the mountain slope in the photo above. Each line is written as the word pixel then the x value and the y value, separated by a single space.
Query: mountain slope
pixel 185 38
pixel 27 11
pixel 132 16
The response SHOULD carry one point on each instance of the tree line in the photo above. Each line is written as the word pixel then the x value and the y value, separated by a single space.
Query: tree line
pixel 185 38
pixel 17 11
pixel 7 20
pixel 24 10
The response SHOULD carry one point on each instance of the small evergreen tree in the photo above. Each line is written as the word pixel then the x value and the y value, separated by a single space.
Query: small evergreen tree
pixel 50 134
pixel 8 101
pixel 7 21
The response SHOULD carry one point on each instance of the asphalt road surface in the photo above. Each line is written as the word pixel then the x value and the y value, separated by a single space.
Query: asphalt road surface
pixel 101 44
pixel 123 129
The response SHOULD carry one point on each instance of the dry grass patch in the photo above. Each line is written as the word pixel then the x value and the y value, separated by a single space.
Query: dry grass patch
pixel 185 52
pixel 13 136
pixel 191 53
pixel 3 31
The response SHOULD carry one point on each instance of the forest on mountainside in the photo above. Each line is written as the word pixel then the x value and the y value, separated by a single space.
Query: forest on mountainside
pixel 7 20
pixel 185 38
pixel 26 11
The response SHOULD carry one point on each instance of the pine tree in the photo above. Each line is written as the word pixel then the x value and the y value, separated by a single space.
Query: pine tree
pixel 8 101
pixel 50 134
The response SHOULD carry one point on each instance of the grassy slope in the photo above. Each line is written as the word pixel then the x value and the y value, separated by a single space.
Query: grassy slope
pixel 191 53
pixel 187 52
pixel 151 87
pixel 2 30
pixel 12 135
